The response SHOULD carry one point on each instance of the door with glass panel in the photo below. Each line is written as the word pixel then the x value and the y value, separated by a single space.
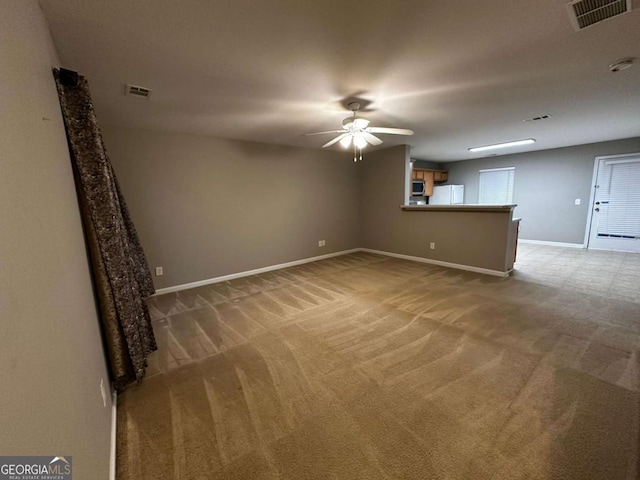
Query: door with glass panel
pixel 615 220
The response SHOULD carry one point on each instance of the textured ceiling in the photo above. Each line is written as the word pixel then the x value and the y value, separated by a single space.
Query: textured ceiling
pixel 460 74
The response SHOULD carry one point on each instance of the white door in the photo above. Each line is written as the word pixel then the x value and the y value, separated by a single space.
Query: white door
pixel 615 220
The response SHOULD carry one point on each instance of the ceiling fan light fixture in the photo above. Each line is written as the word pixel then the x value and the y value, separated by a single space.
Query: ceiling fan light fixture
pixel 346 141
pixel 514 143
pixel 357 132
pixel 359 141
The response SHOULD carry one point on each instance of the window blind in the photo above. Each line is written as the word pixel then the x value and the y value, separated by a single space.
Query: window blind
pixel 496 186
pixel 619 197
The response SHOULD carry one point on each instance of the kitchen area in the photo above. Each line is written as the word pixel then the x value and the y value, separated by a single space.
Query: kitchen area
pixel 431 193
pixel 429 187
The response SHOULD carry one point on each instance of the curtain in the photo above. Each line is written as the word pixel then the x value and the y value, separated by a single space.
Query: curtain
pixel 121 275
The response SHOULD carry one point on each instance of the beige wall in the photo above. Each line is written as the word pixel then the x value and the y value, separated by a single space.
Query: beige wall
pixel 51 359
pixel 465 238
pixel 206 207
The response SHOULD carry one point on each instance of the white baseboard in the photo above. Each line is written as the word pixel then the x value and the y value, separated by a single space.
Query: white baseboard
pixel 553 244
pixel 248 273
pixel 114 426
pixel 224 278
pixel 469 268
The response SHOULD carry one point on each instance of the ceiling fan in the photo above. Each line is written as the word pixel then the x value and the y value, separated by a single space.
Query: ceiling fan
pixel 356 132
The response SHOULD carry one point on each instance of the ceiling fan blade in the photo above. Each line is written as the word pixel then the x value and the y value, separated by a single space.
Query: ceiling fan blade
pixel 335 140
pixel 372 139
pixel 392 131
pixel 322 133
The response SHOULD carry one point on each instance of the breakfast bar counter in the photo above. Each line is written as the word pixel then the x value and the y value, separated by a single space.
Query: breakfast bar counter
pixel 459 208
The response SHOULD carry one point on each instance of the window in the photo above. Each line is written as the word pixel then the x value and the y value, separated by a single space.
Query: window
pixel 496 186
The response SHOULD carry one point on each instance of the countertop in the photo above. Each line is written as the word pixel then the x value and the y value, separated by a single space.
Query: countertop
pixel 458 208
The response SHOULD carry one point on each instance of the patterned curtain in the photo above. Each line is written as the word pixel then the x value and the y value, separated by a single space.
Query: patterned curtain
pixel 120 271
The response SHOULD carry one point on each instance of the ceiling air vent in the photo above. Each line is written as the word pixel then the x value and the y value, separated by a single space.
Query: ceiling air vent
pixel 585 13
pixel 137 91
pixel 538 118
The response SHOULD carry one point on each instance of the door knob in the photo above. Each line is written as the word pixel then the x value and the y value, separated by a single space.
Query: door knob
pixel 597 209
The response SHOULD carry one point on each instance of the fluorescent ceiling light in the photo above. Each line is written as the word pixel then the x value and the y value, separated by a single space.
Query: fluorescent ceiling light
pixel 515 143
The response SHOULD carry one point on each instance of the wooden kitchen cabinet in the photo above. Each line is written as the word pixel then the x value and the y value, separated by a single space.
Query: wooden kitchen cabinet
pixel 440 176
pixel 430 177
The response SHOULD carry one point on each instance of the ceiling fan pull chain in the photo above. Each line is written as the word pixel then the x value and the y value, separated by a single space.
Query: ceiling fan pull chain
pixel 361 154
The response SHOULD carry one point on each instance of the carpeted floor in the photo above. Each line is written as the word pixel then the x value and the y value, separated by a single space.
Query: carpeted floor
pixel 368 367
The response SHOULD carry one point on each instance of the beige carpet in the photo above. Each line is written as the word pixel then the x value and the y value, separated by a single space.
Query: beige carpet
pixel 367 367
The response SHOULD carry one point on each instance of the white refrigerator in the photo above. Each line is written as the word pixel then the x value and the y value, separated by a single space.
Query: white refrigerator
pixel 447 195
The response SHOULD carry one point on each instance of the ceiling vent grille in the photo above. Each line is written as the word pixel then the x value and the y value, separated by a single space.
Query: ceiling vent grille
pixel 585 13
pixel 137 91
pixel 538 118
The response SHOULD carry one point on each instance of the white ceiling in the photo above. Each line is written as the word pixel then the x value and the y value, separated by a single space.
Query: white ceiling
pixel 460 74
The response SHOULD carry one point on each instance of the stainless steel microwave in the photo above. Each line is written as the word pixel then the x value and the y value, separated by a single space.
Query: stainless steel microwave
pixel 417 188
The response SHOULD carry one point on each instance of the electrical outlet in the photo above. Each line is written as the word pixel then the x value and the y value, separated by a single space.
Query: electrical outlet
pixel 577 201
pixel 321 243
pixel 103 392
pixel 159 271
pixel 432 245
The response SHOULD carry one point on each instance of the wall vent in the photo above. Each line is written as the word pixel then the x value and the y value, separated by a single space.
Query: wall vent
pixel 585 13
pixel 137 91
